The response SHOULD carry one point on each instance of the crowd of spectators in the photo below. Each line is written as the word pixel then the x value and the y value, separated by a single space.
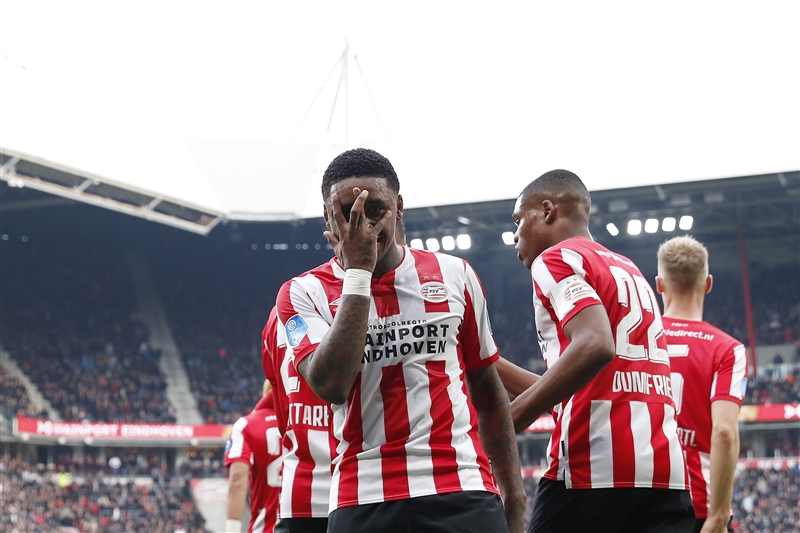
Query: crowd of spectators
pixel 774 388
pixel 14 398
pixel 37 500
pixel 775 294
pixel 69 320
pixel 767 500
pixel 217 323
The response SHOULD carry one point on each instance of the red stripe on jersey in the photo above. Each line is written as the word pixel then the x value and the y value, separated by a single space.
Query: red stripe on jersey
pixel 622 444
pixel 483 461
pixel 301 488
pixel 557 267
pixel 445 466
pixel 428 270
pixel 385 295
pixel 353 433
pixel 660 444
pixel 397 430
pixel 697 484
pixel 578 447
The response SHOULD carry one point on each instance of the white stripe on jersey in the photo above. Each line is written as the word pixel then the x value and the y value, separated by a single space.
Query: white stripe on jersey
pixel 287 482
pixel 237 438
pixel 739 369
pixel 563 448
pixel 319 448
pixel 548 330
pixel 258 525
pixel 575 260
pixel 601 457
pixel 677 465
pixel 642 447
pixel 705 468
pixel 420 467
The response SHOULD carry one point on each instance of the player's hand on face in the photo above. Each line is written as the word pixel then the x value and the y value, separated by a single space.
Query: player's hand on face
pixel 333 242
pixel 357 237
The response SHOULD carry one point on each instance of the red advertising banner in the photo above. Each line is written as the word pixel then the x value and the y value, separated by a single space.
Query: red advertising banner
pixel 749 413
pixel 121 431
pixel 770 463
pixel 544 423
pixel 770 413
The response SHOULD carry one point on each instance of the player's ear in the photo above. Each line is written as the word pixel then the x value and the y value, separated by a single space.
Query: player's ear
pixel 548 212
pixel 399 214
pixel 659 285
pixel 709 283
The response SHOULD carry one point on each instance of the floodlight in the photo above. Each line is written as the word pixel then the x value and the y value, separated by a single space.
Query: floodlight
pixel 686 222
pixel 463 241
pixel 448 243
pixel 651 225
pixel 417 244
pixel 668 224
pixel 432 244
pixel 612 229
pixel 508 237
pixel 634 227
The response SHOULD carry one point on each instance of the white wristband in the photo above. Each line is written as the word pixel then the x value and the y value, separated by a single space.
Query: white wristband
pixel 233 526
pixel 357 281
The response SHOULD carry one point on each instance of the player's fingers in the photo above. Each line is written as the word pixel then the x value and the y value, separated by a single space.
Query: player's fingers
pixel 334 242
pixel 357 216
pixel 338 217
pixel 378 226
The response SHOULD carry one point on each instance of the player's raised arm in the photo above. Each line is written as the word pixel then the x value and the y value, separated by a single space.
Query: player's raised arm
pixel 332 368
pixel 590 349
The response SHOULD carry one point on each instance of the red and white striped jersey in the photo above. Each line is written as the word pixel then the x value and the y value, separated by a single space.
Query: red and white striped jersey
pixel 707 365
pixel 306 422
pixel 619 430
pixel 255 440
pixel 408 428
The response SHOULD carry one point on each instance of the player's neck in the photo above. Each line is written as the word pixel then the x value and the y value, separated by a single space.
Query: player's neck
pixel 684 307
pixel 390 261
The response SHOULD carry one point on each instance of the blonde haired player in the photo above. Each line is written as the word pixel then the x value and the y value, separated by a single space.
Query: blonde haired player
pixel 254 451
pixel 709 376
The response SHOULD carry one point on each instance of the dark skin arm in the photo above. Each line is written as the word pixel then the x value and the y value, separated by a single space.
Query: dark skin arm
pixel 516 380
pixel 332 368
pixel 590 349
pixel 496 431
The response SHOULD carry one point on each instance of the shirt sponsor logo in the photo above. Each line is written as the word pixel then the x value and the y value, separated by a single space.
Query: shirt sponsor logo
pixel 576 291
pixel 296 329
pixel 434 292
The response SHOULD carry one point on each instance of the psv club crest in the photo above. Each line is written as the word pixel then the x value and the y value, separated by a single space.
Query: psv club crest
pixel 434 292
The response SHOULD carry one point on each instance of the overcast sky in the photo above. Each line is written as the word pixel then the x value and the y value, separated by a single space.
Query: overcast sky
pixel 473 99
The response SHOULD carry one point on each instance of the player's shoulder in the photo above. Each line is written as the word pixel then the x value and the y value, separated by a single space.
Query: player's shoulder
pixel 263 416
pixel 448 264
pixel 325 274
pixel 721 338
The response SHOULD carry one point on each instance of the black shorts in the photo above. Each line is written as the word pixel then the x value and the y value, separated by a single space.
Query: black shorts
pixel 458 512
pixel 561 510
pixel 698 525
pixel 301 525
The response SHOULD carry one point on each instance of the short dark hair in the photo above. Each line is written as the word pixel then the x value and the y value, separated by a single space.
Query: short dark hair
pixel 558 181
pixel 358 163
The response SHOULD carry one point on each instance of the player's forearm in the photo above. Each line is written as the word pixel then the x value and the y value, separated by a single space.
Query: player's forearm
pixel 578 365
pixel 516 380
pixel 334 365
pixel 237 492
pixel 724 455
pixel 496 433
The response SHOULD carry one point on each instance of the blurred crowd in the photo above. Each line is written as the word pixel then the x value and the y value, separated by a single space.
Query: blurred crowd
pixel 767 501
pixel 39 501
pixel 74 331
pixel 774 388
pixel 14 398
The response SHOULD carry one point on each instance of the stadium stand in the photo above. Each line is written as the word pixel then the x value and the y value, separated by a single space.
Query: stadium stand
pixel 14 398
pixel 69 321
pixel 767 500
pixel 37 500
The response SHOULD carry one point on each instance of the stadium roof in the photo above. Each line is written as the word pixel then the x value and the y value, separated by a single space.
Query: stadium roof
pixel 192 114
